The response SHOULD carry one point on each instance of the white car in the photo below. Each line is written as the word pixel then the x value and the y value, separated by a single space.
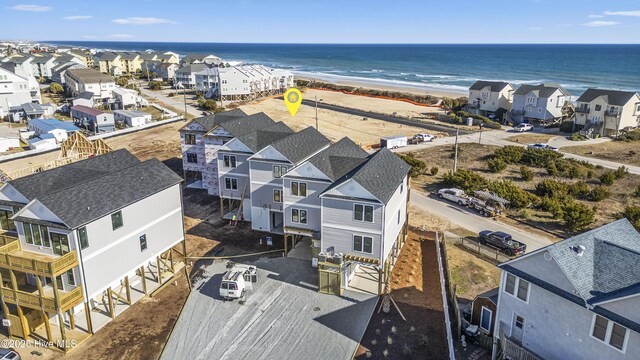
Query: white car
pixel 542 146
pixel 424 137
pixel 523 127
pixel 455 195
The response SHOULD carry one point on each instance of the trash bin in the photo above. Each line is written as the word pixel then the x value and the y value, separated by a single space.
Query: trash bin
pixel 469 121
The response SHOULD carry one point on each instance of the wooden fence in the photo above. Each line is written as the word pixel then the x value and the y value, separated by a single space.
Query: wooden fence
pixel 474 246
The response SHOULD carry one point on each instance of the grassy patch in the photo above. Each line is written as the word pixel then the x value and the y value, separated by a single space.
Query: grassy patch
pixel 618 151
pixel 470 274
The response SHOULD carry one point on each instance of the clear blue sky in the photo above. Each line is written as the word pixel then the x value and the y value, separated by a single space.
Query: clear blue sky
pixel 327 21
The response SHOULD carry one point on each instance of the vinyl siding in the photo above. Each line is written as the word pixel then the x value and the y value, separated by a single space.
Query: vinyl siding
pixel 159 217
pixel 392 228
pixel 240 172
pixel 557 329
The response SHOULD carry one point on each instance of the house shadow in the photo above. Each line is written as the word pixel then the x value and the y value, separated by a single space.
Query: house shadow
pixel 174 164
pixel 342 320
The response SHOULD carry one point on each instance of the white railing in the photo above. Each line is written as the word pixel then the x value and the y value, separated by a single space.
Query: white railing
pixel 443 287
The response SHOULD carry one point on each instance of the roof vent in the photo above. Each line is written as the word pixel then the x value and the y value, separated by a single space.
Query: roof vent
pixel 579 249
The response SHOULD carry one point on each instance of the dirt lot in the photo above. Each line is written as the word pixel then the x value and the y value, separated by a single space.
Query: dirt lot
pixel 415 287
pixel 618 151
pixel 474 157
pixel 337 125
pixel 530 138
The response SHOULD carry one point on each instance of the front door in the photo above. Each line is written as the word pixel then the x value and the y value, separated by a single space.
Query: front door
pixel 517 330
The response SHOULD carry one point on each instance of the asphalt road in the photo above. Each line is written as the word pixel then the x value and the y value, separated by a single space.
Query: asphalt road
pixel 389 118
pixel 470 220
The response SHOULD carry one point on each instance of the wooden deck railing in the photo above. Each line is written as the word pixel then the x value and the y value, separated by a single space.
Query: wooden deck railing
pixel 32 300
pixel 24 262
pixel 5 239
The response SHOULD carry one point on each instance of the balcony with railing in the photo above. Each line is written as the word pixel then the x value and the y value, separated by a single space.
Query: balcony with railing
pixel 29 296
pixel 513 349
pixel 583 109
pixel 612 112
pixel 13 257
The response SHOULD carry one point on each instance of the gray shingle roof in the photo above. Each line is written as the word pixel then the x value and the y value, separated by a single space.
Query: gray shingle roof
pixel 298 146
pixel 543 90
pixel 339 158
pixel 106 56
pixel 128 55
pixel 211 121
pixel 491 295
pixel 380 174
pixel 46 182
pixel 82 204
pixel 609 262
pixel 246 124
pixel 496 86
pixel 261 138
pixel 192 68
pixel 90 75
pixel 612 97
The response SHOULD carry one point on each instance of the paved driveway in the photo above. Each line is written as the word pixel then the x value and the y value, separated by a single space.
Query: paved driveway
pixel 284 317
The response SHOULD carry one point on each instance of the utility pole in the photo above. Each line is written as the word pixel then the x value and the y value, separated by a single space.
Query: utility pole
pixel 316 112
pixel 455 159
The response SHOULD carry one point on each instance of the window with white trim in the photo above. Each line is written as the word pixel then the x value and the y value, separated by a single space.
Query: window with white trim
pixel 231 183
pixel 363 244
pixel 277 195
pixel 517 287
pixel 298 189
pixel 609 332
pixel 279 171
pixel 363 213
pixel 298 216
pixel 229 161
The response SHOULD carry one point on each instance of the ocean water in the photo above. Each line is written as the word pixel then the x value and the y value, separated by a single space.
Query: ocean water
pixel 450 68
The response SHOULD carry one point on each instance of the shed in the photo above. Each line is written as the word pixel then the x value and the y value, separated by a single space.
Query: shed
pixel 483 311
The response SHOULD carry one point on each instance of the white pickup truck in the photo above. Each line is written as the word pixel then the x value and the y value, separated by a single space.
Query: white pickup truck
pixel 455 195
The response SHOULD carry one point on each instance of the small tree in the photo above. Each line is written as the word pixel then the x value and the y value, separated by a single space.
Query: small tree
pixel 577 216
pixel 434 171
pixel 632 213
pixel 599 193
pixel 56 88
pixel 608 178
pixel 208 104
pixel 526 174
pixel 155 85
pixel 496 165
pixel 123 81
pixel 418 166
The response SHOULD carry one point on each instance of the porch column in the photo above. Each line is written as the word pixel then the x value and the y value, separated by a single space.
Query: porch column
pixel 159 270
pixel 127 289
pixel 56 296
pixel 87 312
pixel 45 316
pixel 72 319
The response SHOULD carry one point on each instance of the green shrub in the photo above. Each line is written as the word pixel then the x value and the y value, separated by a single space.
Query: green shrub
pixel 552 205
pixel 466 180
pixel 632 213
pixel 434 171
pixel 155 85
pixel 621 172
pixel 209 104
pixel 496 165
pixel 487 123
pixel 579 189
pixel 608 178
pixel 590 174
pixel 418 166
pixel 510 154
pixel 577 216
pixel 526 174
pixel 540 157
pixel 599 193
pixel 633 135
pixel 552 188
pixel 637 191
pixel 574 171
pixel 56 88
pixel 517 197
pixel 577 137
pixel 552 169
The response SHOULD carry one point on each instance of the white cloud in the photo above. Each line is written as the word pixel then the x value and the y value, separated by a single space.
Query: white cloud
pixel 77 17
pixel 595 16
pixel 142 21
pixel 624 13
pixel 89 37
pixel 33 8
pixel 600 23
pixel 120 36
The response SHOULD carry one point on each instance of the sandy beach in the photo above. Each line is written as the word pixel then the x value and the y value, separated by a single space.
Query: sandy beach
pixel 400 88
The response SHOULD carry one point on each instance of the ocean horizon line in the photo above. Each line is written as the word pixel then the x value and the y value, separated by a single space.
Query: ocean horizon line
pixel 324 43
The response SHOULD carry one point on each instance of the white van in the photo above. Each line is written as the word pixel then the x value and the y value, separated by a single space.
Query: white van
pixel 237 281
